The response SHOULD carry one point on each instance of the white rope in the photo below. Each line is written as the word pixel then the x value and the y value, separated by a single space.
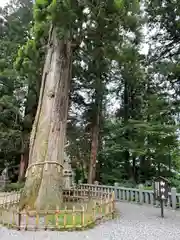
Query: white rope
pixel 42 163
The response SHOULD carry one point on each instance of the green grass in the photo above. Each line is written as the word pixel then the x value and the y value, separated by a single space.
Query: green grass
pixel 66 219
pixel 69 220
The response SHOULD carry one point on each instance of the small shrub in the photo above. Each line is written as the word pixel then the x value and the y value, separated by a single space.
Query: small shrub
pixel 148 188
pixel 175 182
pixel 13 187
pixel 128 184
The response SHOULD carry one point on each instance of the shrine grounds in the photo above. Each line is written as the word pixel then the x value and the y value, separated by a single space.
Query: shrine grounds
pixel 134 222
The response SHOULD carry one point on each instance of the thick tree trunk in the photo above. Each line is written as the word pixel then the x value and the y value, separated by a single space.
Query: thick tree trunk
pixel 95 125
pixel 99 163
pixel 134 169
pixel 23 165
pixel 93 155
pixel 43 187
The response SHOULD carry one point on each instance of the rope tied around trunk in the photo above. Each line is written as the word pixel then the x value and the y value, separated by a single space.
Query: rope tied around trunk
pixel 46 163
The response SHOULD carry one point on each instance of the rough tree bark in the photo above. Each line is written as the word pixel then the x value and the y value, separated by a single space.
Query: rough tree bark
pixel 43 187
pixel 23 162
pixel 93 154
pixel 94 143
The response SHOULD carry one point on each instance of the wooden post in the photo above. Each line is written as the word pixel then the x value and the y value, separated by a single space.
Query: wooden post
pixel 8 220
pixel 94 212
pixel 65 216
pixel 74 216
pixel 3 215
pixel 46 221
pixel 19 220
pixel 37 221
pixel 57 216
pixel 13 219
pixel 107 208
pixel 82 217
pixel 86 207
pixel 101 206
pixel 27 221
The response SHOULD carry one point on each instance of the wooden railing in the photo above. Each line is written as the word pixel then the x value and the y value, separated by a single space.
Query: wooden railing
pixel 12 198
pixel 100 206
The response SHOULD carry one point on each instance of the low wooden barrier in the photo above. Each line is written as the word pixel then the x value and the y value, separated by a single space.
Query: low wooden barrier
pixel 78 217
pixel 11 198
pixel 73 195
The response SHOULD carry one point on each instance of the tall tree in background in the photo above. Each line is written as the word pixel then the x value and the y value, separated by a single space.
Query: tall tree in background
pixel 140 145
pixel 30 99
pixel 105 36
pixel 163 21
pixel 17 18
pixel 99 39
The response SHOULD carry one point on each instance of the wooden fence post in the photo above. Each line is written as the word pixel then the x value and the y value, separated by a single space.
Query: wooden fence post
pixel 82 217
pixel 94 212
pixel 13 219
pixel 57 216
pixel 65 216
pixel 113 204
pixel 107 207
pixel 19 220
pixel 37 221
pixel 46 221
pixel 74 216
pixel 101 206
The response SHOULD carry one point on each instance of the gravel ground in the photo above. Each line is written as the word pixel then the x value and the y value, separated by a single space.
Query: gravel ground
pixel 135 222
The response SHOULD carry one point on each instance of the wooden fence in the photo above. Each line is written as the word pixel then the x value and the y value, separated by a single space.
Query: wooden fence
pixel 12 198
pixel 100 206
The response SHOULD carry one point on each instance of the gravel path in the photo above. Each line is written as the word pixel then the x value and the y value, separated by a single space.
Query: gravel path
pixel 135 222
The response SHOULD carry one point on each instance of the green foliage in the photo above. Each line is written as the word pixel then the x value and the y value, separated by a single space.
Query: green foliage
pixel 142 137
pixel 175 182
pixel 118 3
pixel 13 187
pixel 13 34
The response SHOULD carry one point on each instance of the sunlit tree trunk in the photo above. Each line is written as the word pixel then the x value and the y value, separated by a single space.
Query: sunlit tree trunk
pixel 43 187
